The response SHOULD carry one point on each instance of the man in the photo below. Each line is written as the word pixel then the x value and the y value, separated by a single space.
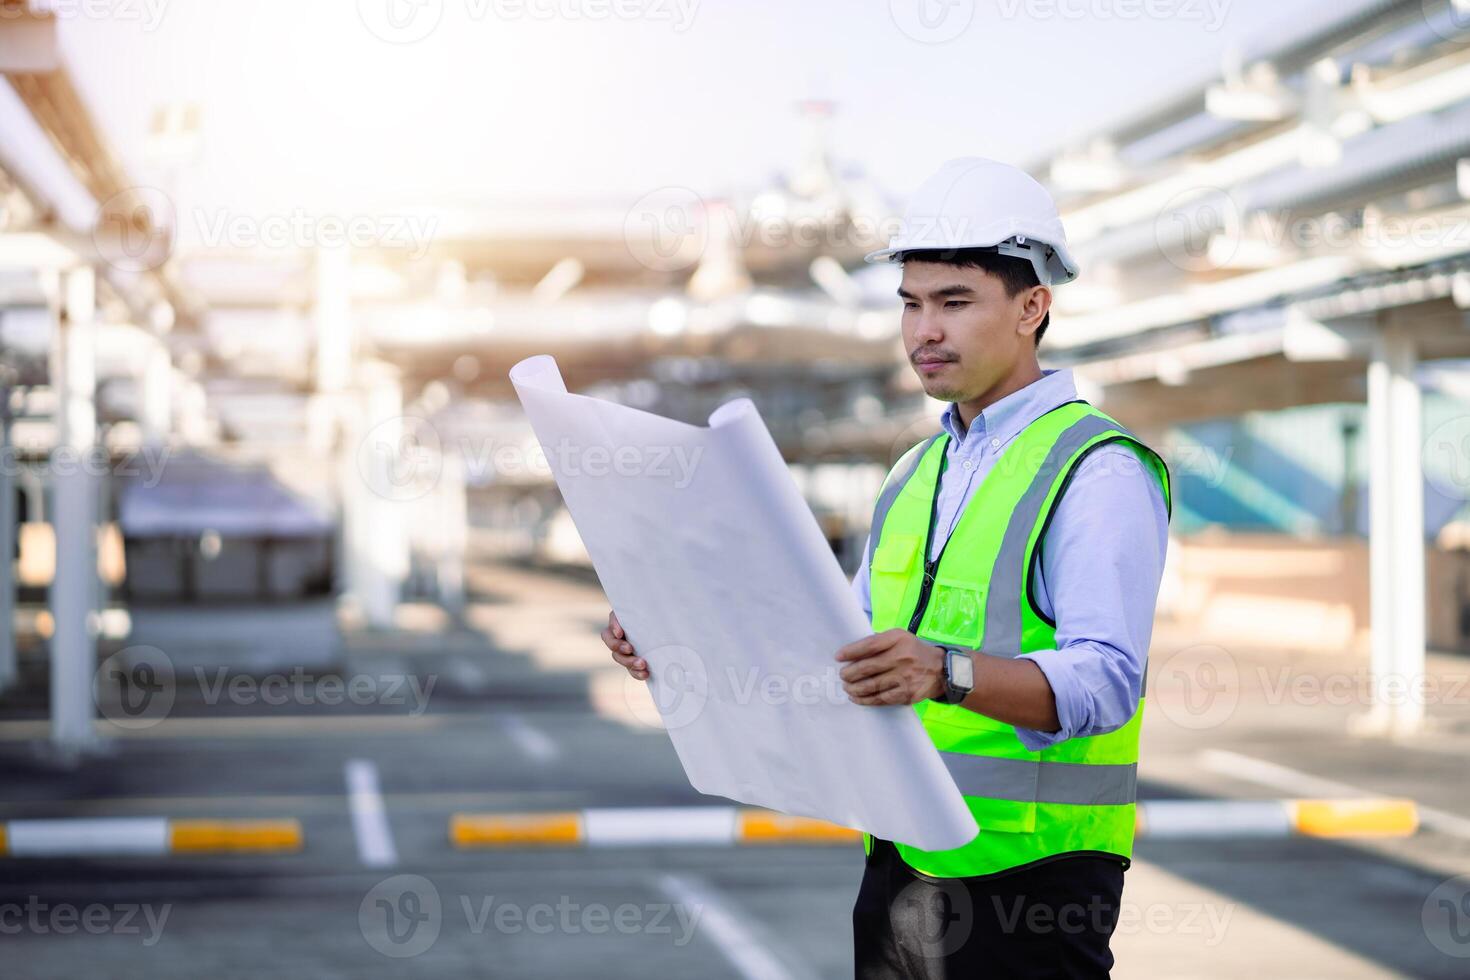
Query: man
pixel 1010 575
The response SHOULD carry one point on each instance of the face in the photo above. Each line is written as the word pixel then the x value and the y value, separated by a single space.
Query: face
pixel 963 334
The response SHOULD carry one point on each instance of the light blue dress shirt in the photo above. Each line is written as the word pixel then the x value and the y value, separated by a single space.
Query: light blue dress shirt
pixel 1101 560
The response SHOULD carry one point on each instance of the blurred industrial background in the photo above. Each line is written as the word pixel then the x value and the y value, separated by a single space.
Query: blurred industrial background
pixel 296 613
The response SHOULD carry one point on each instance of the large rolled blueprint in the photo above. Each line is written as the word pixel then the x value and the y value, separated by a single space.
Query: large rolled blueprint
pixel 723 582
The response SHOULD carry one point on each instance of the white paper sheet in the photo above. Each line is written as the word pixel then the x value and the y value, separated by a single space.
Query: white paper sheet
pixel 723 581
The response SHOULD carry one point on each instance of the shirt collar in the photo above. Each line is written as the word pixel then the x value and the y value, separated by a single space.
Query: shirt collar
pixel 1015 411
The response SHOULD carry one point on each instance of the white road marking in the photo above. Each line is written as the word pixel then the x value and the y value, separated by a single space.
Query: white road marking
pixel 1263 773
pixel 723 926
pixel 665 826
pixel 76 838
pixel 369 818
pixel 531 740
pixel 1299 783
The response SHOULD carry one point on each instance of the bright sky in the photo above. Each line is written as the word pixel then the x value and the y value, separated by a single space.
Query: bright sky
pixel 305 104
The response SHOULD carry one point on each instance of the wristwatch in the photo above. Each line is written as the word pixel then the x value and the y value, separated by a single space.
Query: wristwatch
pixel 959 675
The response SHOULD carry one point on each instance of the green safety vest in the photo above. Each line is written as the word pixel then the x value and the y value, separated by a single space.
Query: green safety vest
pixel 1077 796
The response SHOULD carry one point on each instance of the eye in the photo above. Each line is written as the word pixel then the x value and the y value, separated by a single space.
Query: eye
pixel 909 304
pixel 955 304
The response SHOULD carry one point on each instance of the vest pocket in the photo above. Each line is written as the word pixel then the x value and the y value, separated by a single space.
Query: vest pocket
pixel 956 612
pixel 889 575
pixel 895 553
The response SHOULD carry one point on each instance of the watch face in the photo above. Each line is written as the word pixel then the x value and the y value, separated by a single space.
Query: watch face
pixel 961 671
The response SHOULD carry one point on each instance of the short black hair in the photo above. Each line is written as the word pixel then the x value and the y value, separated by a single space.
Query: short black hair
pixel 1015 274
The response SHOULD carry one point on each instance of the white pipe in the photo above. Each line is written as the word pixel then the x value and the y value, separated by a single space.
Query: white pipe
pixel 8 665
pixel 1380 529
pixel 74 517
pixel 1404 695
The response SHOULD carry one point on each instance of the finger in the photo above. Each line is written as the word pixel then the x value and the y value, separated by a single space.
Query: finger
pixel 872 685
pixel 888 695
pixel 869 667
pixel 869 645
pixel 885 700
pixel 614 644
pixel 617 627
pixel 629 660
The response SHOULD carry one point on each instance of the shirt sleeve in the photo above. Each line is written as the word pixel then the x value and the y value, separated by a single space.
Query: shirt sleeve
pixel 860 584
pixel 1098 577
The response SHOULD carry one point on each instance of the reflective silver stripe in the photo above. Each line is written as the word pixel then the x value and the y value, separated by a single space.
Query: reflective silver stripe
pixel 1026 780
pixel 898 480
pixel 1007 588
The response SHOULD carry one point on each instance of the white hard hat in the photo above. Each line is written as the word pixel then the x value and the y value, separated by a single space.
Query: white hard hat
pixel 972 202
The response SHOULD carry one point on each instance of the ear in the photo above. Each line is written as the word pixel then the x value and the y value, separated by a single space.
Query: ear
pixel 1035 304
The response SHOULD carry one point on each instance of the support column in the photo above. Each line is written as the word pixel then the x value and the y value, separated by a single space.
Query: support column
pixel 73 517
pixel 8 466
pixel 1396 533
pixel 333 319
pixel 156 385
pixel 453 534
pixel 379 472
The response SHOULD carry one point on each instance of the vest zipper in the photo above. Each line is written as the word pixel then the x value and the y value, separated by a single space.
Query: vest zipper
pixel 924 589
pixel 930 567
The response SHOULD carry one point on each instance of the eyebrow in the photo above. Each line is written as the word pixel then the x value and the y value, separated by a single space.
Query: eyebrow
pixel 956 290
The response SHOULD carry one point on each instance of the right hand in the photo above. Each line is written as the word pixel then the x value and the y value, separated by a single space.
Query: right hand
pixel 622 650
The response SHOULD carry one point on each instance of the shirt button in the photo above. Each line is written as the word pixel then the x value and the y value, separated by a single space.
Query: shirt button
pixel 969 464
pixel 994 443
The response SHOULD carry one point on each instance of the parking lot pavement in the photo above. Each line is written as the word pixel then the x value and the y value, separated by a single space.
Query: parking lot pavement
pixel 524 714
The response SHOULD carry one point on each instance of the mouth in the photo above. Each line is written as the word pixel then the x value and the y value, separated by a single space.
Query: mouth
pixel 932 366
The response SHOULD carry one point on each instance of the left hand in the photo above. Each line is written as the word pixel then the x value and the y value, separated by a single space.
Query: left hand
pixel 892 667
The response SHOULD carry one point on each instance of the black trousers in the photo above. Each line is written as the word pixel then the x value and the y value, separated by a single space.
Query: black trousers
pixel 1053 919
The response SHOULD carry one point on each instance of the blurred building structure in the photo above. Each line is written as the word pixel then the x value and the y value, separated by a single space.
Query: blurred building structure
pixel 1294 233
pixel 1276 267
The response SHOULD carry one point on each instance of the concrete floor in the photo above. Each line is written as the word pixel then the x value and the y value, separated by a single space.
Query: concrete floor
pixel 524 713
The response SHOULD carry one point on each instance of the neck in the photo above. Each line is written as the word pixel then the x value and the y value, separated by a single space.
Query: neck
pixel 1024 373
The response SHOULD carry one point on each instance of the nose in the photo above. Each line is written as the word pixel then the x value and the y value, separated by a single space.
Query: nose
pixel 926 329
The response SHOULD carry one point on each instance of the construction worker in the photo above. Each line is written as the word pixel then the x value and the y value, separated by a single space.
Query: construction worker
pixel 1010 576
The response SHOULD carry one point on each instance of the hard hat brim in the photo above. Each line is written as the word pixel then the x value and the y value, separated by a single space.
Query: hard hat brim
pixel 1063 270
